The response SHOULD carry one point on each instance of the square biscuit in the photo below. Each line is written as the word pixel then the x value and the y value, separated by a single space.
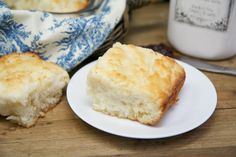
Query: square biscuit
pixel 29 87
pixel 135 83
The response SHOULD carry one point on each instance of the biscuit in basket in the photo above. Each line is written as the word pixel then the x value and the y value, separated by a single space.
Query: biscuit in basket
pixel 135 83
pixel 48 5
pixel 29 87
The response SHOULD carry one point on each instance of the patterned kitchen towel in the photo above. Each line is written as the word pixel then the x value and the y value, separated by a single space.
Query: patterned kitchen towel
pixel 66 40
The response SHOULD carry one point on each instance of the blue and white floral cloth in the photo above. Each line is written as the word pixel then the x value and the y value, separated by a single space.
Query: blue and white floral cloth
pixel 62 39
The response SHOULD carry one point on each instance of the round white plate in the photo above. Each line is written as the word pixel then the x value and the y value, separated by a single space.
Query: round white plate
pixel 197 102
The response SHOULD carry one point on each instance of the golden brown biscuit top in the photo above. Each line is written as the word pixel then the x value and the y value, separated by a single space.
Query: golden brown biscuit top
pixel 48 5
pixel 139 68
pixel 17 69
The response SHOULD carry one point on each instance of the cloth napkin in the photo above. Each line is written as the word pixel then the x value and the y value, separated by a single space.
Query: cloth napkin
pixel 63 39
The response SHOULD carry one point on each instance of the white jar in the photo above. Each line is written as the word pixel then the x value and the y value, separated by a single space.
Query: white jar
pixel 203 28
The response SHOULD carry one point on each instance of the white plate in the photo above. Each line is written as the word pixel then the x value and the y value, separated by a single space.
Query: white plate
pixel 197 102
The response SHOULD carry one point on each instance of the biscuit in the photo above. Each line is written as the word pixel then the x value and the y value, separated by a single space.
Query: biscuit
pixel 134 83
pixel 48 5
pixel 29 87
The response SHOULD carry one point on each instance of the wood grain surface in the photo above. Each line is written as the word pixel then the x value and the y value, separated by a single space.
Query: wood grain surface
pixel 61 133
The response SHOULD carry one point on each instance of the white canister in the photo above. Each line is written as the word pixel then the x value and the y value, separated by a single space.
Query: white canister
pixel 203 28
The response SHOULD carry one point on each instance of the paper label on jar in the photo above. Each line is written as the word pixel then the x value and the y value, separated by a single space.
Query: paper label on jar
pixel 210 14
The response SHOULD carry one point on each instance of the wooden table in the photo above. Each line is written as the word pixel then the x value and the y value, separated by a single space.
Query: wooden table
pixel 61 133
